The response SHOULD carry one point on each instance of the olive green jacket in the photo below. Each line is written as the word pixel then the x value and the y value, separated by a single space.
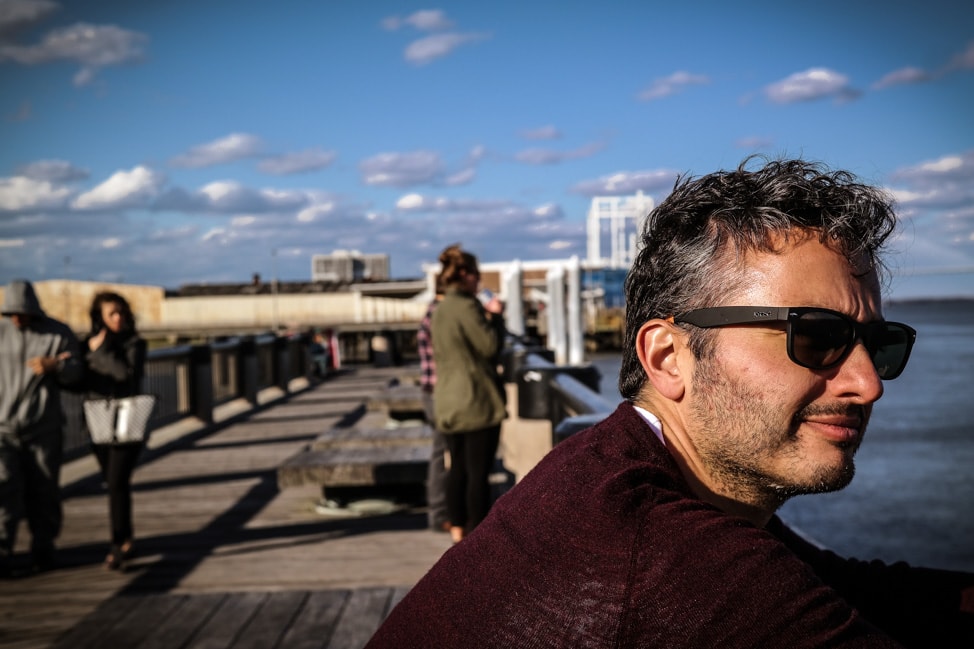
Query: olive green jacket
pixel 467 340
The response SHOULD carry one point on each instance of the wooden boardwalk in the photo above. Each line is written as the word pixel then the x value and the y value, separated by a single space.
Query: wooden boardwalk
pixel 224 557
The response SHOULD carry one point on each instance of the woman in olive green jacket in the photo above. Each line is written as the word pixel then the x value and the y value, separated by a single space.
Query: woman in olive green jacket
pixel 468 399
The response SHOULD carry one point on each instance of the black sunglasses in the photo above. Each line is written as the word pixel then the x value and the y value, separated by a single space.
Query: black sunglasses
pixel 819 338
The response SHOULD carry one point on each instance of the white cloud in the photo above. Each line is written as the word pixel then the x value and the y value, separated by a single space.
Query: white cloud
pixel 410 202
pixel 548 132
pixel 549 211
pixel 627 182
pixel 12 243
pixel 297 162
pixel 391 23
pixel 231 197
pixel 313 212
pixel 944 165
pixel 217 234
pixel 429 20
pixel 59 171
pixel 20 193
pixel 93 46
pixel 549 156
pixel 902 76
pixel 430 48
pixel 672 85
pixel 235 146
pixel 462 177
pixel 223 190
pixel 936 197
pixel 754 142
pixel 111 242
pixel 122 189
pixel 401 169
pixel 812 84
pixel 19 13
pixel 418 202
pixel 425 20
pixel 955 167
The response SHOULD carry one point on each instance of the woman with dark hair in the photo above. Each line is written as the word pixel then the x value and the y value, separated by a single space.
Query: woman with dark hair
pixel 115 359
pixel 468 398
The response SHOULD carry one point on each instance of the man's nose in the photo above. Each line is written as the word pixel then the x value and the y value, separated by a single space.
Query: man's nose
pixel 857 376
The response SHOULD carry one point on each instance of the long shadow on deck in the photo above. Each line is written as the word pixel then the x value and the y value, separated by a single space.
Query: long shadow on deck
pixel 180 554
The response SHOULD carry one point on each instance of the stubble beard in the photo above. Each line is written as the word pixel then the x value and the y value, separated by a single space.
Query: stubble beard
pixel 748 452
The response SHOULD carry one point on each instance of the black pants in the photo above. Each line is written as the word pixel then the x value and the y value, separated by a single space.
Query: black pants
pixel 117 462
pixel 467 487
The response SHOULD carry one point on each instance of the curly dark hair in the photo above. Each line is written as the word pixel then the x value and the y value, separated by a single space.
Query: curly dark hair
pixel 110 297
pixel 691 240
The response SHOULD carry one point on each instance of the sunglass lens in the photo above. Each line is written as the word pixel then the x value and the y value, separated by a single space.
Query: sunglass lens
pixel 891 346
pixel 820 339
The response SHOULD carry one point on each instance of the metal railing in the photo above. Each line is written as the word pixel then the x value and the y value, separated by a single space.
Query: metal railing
pixel 192 380
pixel 566 395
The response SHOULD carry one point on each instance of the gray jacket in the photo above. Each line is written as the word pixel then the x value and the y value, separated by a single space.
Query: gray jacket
pixel 30 405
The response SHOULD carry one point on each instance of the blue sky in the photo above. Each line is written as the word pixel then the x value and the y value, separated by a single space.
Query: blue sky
pixel 182 142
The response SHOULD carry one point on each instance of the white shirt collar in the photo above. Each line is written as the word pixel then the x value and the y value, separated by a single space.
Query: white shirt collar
pixel 653 422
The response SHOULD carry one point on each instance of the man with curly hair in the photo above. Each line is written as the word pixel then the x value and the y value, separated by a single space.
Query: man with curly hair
pixel 755 349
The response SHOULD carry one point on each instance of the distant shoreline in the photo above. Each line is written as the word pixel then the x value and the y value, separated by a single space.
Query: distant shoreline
pixel 939 300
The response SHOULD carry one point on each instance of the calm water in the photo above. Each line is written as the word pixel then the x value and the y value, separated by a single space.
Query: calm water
pixel 913 495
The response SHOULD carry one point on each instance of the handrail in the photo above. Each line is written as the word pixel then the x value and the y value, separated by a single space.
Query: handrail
pixel 563 394
pixel 192 380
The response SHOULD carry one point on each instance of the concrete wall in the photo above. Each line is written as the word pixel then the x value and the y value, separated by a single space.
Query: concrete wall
pixel 69 301
pixel 292 311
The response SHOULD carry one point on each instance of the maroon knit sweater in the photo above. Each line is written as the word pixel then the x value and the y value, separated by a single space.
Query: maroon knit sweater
pixel 603 544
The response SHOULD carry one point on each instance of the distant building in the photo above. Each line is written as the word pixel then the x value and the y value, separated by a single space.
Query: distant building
pixel 349 266
pixel 614 224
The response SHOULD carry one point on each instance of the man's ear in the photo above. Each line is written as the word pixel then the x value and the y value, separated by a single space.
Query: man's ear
pixel 657 345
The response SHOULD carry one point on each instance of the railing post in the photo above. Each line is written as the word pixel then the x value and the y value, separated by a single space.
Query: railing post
pixel 281 363
pixel 557 337
pixel 513 287
pixel 201 383
pixel 248 369
pixel 576 335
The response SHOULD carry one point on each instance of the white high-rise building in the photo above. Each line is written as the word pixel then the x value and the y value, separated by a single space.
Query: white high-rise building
pixel 620 218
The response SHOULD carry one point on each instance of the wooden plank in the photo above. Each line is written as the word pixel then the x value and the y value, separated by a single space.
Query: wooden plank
pixel 183 621
pixel 365 610
pixel 316 620
pixel 89 631
pixel 376 436
pixel 356 467
pixel 223 628
pixel 271 622
pixel 149 612
pixel 208 522
pixel 402 398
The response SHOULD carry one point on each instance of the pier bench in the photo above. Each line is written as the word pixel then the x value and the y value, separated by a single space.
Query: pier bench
pixel 389 446
pixel 398 401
